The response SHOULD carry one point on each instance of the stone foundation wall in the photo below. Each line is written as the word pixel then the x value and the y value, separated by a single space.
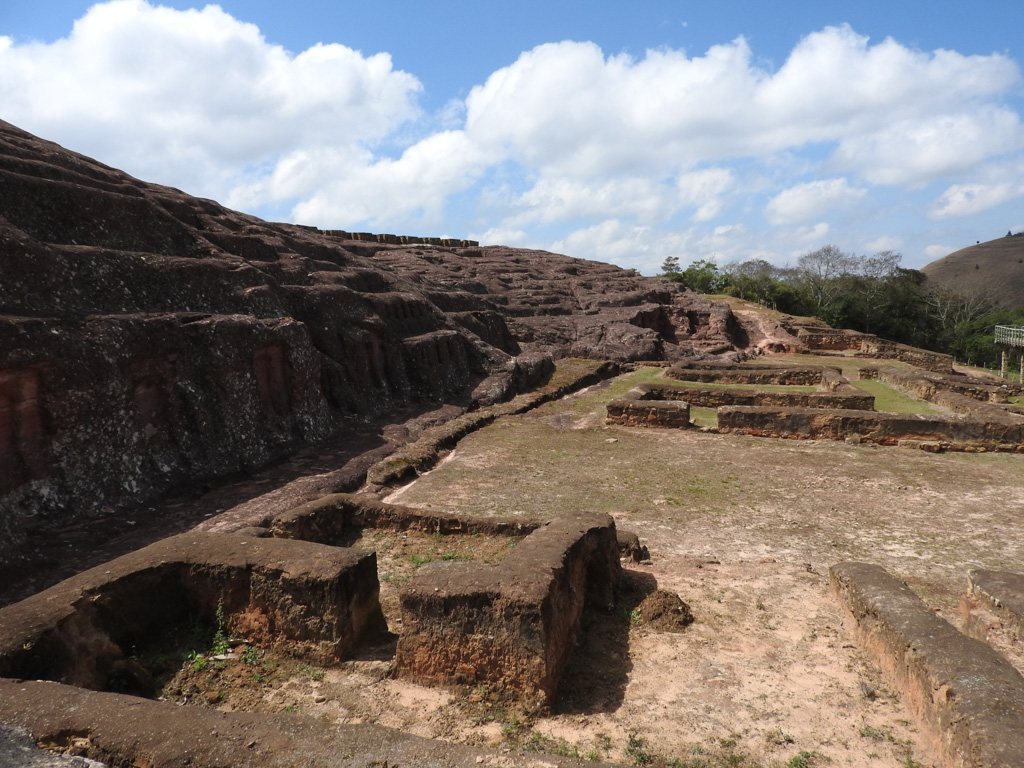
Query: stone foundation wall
pixel 994 600
pixel 643 407
pixel 653 405
pixel 882 428
pixel 922 358
pixel 968 698
pixel 511 625
pixel 869 345
pixel 737 374
pixel 302 599
pixel 925 385
pixel 830 339
pixel 847 397
pixel 328 519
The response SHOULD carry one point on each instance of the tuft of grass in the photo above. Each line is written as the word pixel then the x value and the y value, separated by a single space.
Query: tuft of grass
pixel 636 750
pixel 877 734
pixel 220 643
pixel 311 672
pixel 805 759
pixel 776 738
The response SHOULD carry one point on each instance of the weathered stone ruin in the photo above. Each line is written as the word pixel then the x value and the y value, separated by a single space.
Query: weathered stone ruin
pixel 994 599
pixel 838 411
pixel 512 625
pixel 968 697
pixel 307 600
pixel 152 343
pixel 817 336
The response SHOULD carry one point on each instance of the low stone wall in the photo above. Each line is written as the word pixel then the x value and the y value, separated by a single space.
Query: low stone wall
pixel 405 464
pixel 883 428
pixel 328 519
pixel 830 338
pixel 869 345
pixel 846 397
pixel 302 599
pixel 739 374
pixel 653 405
pixel 968 698
pixel 993 599
pixel 513 624
pixel 123 730
pixel 832 380
pixel 875 347
pixel 643 407
pixel 926 385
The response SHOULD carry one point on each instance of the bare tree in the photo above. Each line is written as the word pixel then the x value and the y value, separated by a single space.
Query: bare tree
pixel 820 270
pixel 951 308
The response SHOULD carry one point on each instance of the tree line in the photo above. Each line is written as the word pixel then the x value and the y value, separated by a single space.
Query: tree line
pixel 873 294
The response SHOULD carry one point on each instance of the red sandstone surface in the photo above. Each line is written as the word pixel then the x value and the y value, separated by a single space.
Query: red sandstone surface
pixel 153 344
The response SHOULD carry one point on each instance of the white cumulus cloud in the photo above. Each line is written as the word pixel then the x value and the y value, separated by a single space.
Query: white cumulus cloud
pixel 805 202
pixel 629 158
pixel 197 98
pixel 967 199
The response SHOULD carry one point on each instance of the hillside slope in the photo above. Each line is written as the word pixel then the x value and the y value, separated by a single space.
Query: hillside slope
pixel 151 342
pixel 994 268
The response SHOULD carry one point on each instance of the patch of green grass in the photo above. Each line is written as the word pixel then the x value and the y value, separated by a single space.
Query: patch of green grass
pixel 683 385
pixel 597 400
pixel 891 400
pixel 418 560
pixel 704 417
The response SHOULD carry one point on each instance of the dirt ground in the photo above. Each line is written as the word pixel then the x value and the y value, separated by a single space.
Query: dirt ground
pixel 744 531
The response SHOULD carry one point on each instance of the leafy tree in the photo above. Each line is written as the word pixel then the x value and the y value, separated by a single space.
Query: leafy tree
pixel 701 276
pixel 670 266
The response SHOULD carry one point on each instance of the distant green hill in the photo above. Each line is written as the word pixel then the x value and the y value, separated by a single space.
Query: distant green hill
pixel 995 268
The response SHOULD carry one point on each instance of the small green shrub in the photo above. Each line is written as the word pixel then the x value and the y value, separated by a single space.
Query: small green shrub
pixel 636 750
pixel 805 759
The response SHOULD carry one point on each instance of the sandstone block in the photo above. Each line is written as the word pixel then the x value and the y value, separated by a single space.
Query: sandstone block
pixel 966 695
pixel 513 624
pixel 300 598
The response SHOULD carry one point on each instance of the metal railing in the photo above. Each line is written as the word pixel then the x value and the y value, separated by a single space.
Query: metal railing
pixel 1009 336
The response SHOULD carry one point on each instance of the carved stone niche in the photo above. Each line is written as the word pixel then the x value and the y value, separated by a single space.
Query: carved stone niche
pixel 269 364
pixel 152 382
pixel 22 432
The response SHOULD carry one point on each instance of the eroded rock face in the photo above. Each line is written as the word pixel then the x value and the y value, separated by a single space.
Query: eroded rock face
pixel 153 342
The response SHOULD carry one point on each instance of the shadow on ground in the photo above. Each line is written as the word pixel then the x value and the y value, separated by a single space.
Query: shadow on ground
pixel 598 673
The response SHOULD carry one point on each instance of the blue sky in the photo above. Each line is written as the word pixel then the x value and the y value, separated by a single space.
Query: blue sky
pixel 624 133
